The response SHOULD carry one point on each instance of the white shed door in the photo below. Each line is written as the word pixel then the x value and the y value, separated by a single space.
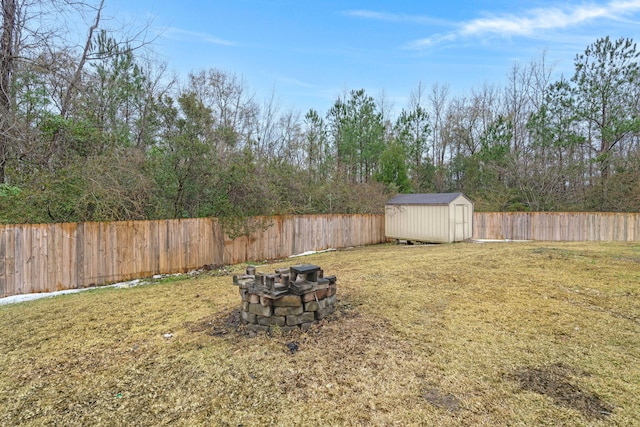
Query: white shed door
pixel 460 220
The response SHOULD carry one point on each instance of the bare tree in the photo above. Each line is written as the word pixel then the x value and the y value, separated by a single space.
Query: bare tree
pixel 233 107
pixel 9 17
pixel 438 98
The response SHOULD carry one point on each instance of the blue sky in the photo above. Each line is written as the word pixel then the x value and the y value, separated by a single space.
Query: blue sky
pixel 308 53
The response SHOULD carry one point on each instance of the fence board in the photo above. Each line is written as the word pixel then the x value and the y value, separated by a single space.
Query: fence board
pixel 64 246
pixel 40 244
pixel 92 239
pixel 10 261
pixel 3 263
pixel 52 257
pixel 23 251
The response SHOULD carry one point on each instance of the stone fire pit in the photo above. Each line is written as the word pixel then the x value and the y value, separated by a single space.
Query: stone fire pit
pixel 289 299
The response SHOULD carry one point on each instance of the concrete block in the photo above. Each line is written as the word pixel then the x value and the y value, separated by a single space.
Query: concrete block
pixel 332 290
pixel 287 311
pixel 324 312
pixel 311 306
pixel 259 310
pixel 299 319
pixel 288 301
pixel 311 296
pixel 331 300
pixel 248 317
pixel 271 321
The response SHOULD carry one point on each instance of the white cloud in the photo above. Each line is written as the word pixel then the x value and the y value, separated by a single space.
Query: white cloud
pixel 434 40
pixel 293 82
pixel 532 23
pixel 174 33
pixel 396 17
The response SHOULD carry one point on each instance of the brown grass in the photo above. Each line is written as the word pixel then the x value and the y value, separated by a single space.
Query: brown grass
pixel 457 335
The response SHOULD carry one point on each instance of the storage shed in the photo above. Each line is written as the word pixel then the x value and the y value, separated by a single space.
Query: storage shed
pixel 438 218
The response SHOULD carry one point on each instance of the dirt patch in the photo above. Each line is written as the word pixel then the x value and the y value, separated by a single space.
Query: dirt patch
pixel 219 324
pixel 229 322
pixel 444 401
pixel 553 381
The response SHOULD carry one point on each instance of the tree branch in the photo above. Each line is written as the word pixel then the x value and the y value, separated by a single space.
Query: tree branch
pixel 73 84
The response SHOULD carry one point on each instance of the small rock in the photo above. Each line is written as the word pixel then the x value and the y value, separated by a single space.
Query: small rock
pixel 293 347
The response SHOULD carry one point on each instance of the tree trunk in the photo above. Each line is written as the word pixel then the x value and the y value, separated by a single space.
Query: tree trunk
pixel 6 69
pixel 75 82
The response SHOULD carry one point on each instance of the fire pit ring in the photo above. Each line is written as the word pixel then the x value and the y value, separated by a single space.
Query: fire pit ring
pixel 288 299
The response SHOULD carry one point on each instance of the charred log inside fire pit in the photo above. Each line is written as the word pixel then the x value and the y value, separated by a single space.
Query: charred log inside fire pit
pixel 288 299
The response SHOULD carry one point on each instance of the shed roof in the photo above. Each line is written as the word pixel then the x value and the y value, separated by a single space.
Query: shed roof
pixel 425 199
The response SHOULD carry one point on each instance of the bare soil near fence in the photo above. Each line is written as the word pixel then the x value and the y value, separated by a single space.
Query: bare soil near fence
pixel 460 334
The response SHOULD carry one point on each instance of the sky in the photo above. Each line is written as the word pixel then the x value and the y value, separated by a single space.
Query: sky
pixel 307 53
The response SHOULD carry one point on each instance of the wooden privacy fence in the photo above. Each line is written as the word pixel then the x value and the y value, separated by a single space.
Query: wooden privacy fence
pixel 557 226
pixel 49 257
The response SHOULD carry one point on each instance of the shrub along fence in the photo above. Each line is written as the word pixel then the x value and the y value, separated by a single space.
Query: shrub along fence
pixel 49 257
pixel 557 226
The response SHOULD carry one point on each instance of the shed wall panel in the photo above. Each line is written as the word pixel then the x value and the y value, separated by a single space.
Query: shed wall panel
pixel 418 222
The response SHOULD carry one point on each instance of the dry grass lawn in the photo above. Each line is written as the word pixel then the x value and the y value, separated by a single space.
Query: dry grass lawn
pixel 465 334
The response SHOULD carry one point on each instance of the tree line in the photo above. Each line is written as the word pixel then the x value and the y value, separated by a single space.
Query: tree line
pixel 95 130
